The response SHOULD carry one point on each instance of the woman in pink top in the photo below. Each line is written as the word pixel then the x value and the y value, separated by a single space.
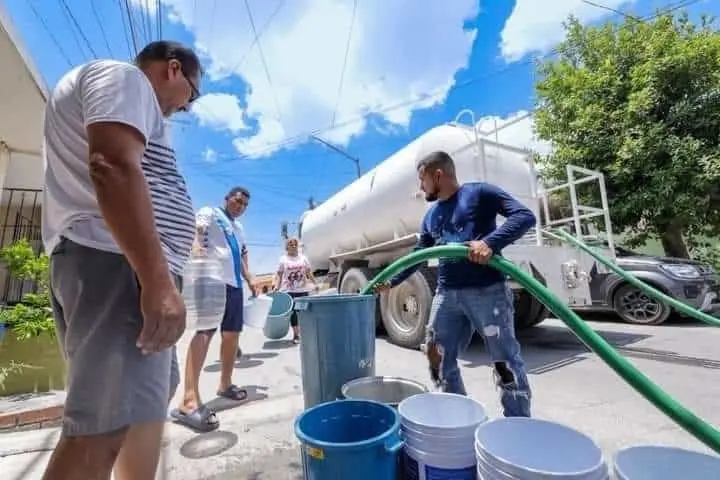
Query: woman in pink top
pixel 294 277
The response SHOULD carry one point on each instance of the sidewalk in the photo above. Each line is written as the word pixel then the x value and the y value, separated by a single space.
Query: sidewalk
pixel 255 439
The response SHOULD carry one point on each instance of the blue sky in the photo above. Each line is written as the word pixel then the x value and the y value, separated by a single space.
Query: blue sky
pixel 410 65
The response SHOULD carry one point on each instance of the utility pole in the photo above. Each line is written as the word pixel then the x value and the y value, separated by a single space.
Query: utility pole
pixel 342 152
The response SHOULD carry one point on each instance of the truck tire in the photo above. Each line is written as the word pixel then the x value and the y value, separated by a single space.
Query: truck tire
pixel 406 309
pixel 529 311
pixel 354 280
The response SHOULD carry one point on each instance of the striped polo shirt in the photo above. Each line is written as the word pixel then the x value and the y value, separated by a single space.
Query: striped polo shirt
pixel 109 91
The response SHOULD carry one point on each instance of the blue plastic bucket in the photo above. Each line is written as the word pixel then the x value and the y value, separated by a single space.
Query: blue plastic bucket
pixel 277 325
pixel 349 440
pixel 656 462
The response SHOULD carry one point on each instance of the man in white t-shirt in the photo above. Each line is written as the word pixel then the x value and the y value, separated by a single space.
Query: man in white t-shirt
pixel 118 224
pixel 220 235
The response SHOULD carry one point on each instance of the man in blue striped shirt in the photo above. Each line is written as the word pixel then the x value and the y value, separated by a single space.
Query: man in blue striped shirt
pixel 118 224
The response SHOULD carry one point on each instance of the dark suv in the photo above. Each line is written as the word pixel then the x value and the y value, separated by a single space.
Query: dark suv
pixel 689 281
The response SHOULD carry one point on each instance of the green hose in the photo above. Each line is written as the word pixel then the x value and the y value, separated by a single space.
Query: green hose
pixel 701 430
pixel 652 292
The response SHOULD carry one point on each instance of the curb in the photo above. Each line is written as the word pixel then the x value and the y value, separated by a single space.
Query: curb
pixel 28 419
pixel 31 411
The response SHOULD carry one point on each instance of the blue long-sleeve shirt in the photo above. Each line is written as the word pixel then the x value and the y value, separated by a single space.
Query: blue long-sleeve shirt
pixel 470 214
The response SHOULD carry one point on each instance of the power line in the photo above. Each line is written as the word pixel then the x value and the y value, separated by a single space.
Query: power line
pixel 288 141
pixel 50 34
pixel 133 34
pixel 102 28
pixel 77 25
pixel 345 59
pixel 159 7
pixel 259 35
pixel 609 9
pixel 125 28
pixel 262 59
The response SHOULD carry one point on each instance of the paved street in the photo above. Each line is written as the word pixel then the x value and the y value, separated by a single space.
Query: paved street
pixel 256 440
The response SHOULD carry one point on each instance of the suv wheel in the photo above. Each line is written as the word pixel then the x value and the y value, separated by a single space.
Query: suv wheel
pixel 637 307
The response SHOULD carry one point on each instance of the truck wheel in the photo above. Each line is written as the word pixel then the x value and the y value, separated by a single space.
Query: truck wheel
pixel 529 311
pixel 406 309
pixel 635 306
pixel 354 280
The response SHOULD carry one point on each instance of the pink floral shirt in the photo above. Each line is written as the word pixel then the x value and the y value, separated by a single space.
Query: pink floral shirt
pixel 293 274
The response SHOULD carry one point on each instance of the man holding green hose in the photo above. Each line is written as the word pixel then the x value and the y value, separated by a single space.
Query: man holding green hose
pixel 471 295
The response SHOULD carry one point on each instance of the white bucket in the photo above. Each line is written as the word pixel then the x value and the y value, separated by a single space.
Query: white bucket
pixel 421 465
pixel 656 462
pixel 436 413
pixel 432 443
pixel 438 431
pixel 256 310
pixel 520 448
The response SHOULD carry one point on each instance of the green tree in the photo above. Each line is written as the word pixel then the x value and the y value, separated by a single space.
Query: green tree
pixel 641 103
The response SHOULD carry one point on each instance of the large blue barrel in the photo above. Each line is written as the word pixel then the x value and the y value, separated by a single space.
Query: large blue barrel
pixel 349 440
pixel 337 343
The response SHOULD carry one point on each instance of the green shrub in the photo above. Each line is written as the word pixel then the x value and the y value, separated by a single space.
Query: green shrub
pixel 32 316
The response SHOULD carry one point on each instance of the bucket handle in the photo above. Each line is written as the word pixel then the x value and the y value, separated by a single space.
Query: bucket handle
pixel 395 446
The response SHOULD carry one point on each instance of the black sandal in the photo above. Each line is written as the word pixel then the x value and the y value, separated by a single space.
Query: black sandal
pixel 235 393
pixel 202 419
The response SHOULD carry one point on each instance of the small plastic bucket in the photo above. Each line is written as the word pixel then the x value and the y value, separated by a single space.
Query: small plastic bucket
pixel 256 311
pixel 657 462
pixel 277 324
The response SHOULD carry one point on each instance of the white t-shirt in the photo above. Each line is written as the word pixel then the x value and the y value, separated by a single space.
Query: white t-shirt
pixel 109 91
pixel 216 243
pixel 293 273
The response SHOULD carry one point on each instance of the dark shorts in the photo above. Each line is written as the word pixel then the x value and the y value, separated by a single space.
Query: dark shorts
pixel 293 316
pixel 110 384
pixel 234 304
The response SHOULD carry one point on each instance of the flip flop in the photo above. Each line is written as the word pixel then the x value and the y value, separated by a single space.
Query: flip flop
pixel 235 393
pixel 202 419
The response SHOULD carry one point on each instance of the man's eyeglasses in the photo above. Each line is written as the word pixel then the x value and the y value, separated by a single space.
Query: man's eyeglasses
pixel 195 93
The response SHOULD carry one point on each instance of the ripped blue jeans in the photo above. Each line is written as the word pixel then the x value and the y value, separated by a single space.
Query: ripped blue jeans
pixel 455 315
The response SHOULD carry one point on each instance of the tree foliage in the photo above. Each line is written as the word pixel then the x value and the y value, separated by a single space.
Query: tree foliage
pixel 33 315
pixel 641 103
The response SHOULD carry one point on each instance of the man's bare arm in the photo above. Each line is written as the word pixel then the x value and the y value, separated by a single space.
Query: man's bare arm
pixel 116 151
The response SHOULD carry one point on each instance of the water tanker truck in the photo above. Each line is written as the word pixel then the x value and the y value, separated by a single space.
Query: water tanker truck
pixel 375 220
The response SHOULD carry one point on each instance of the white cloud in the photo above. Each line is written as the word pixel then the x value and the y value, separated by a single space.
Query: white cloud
pixel 517 130
pixel 536 27
pixel 210 155
pixel 400 51
pixel 221 111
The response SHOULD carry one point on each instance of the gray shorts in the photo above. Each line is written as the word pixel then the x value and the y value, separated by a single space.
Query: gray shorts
pixel 110 384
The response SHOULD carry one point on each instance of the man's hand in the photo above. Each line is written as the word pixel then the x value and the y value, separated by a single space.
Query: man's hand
pixel 198 250
pixel 480 252
pixel 382 287
pixel 254 287
pixel 164 315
